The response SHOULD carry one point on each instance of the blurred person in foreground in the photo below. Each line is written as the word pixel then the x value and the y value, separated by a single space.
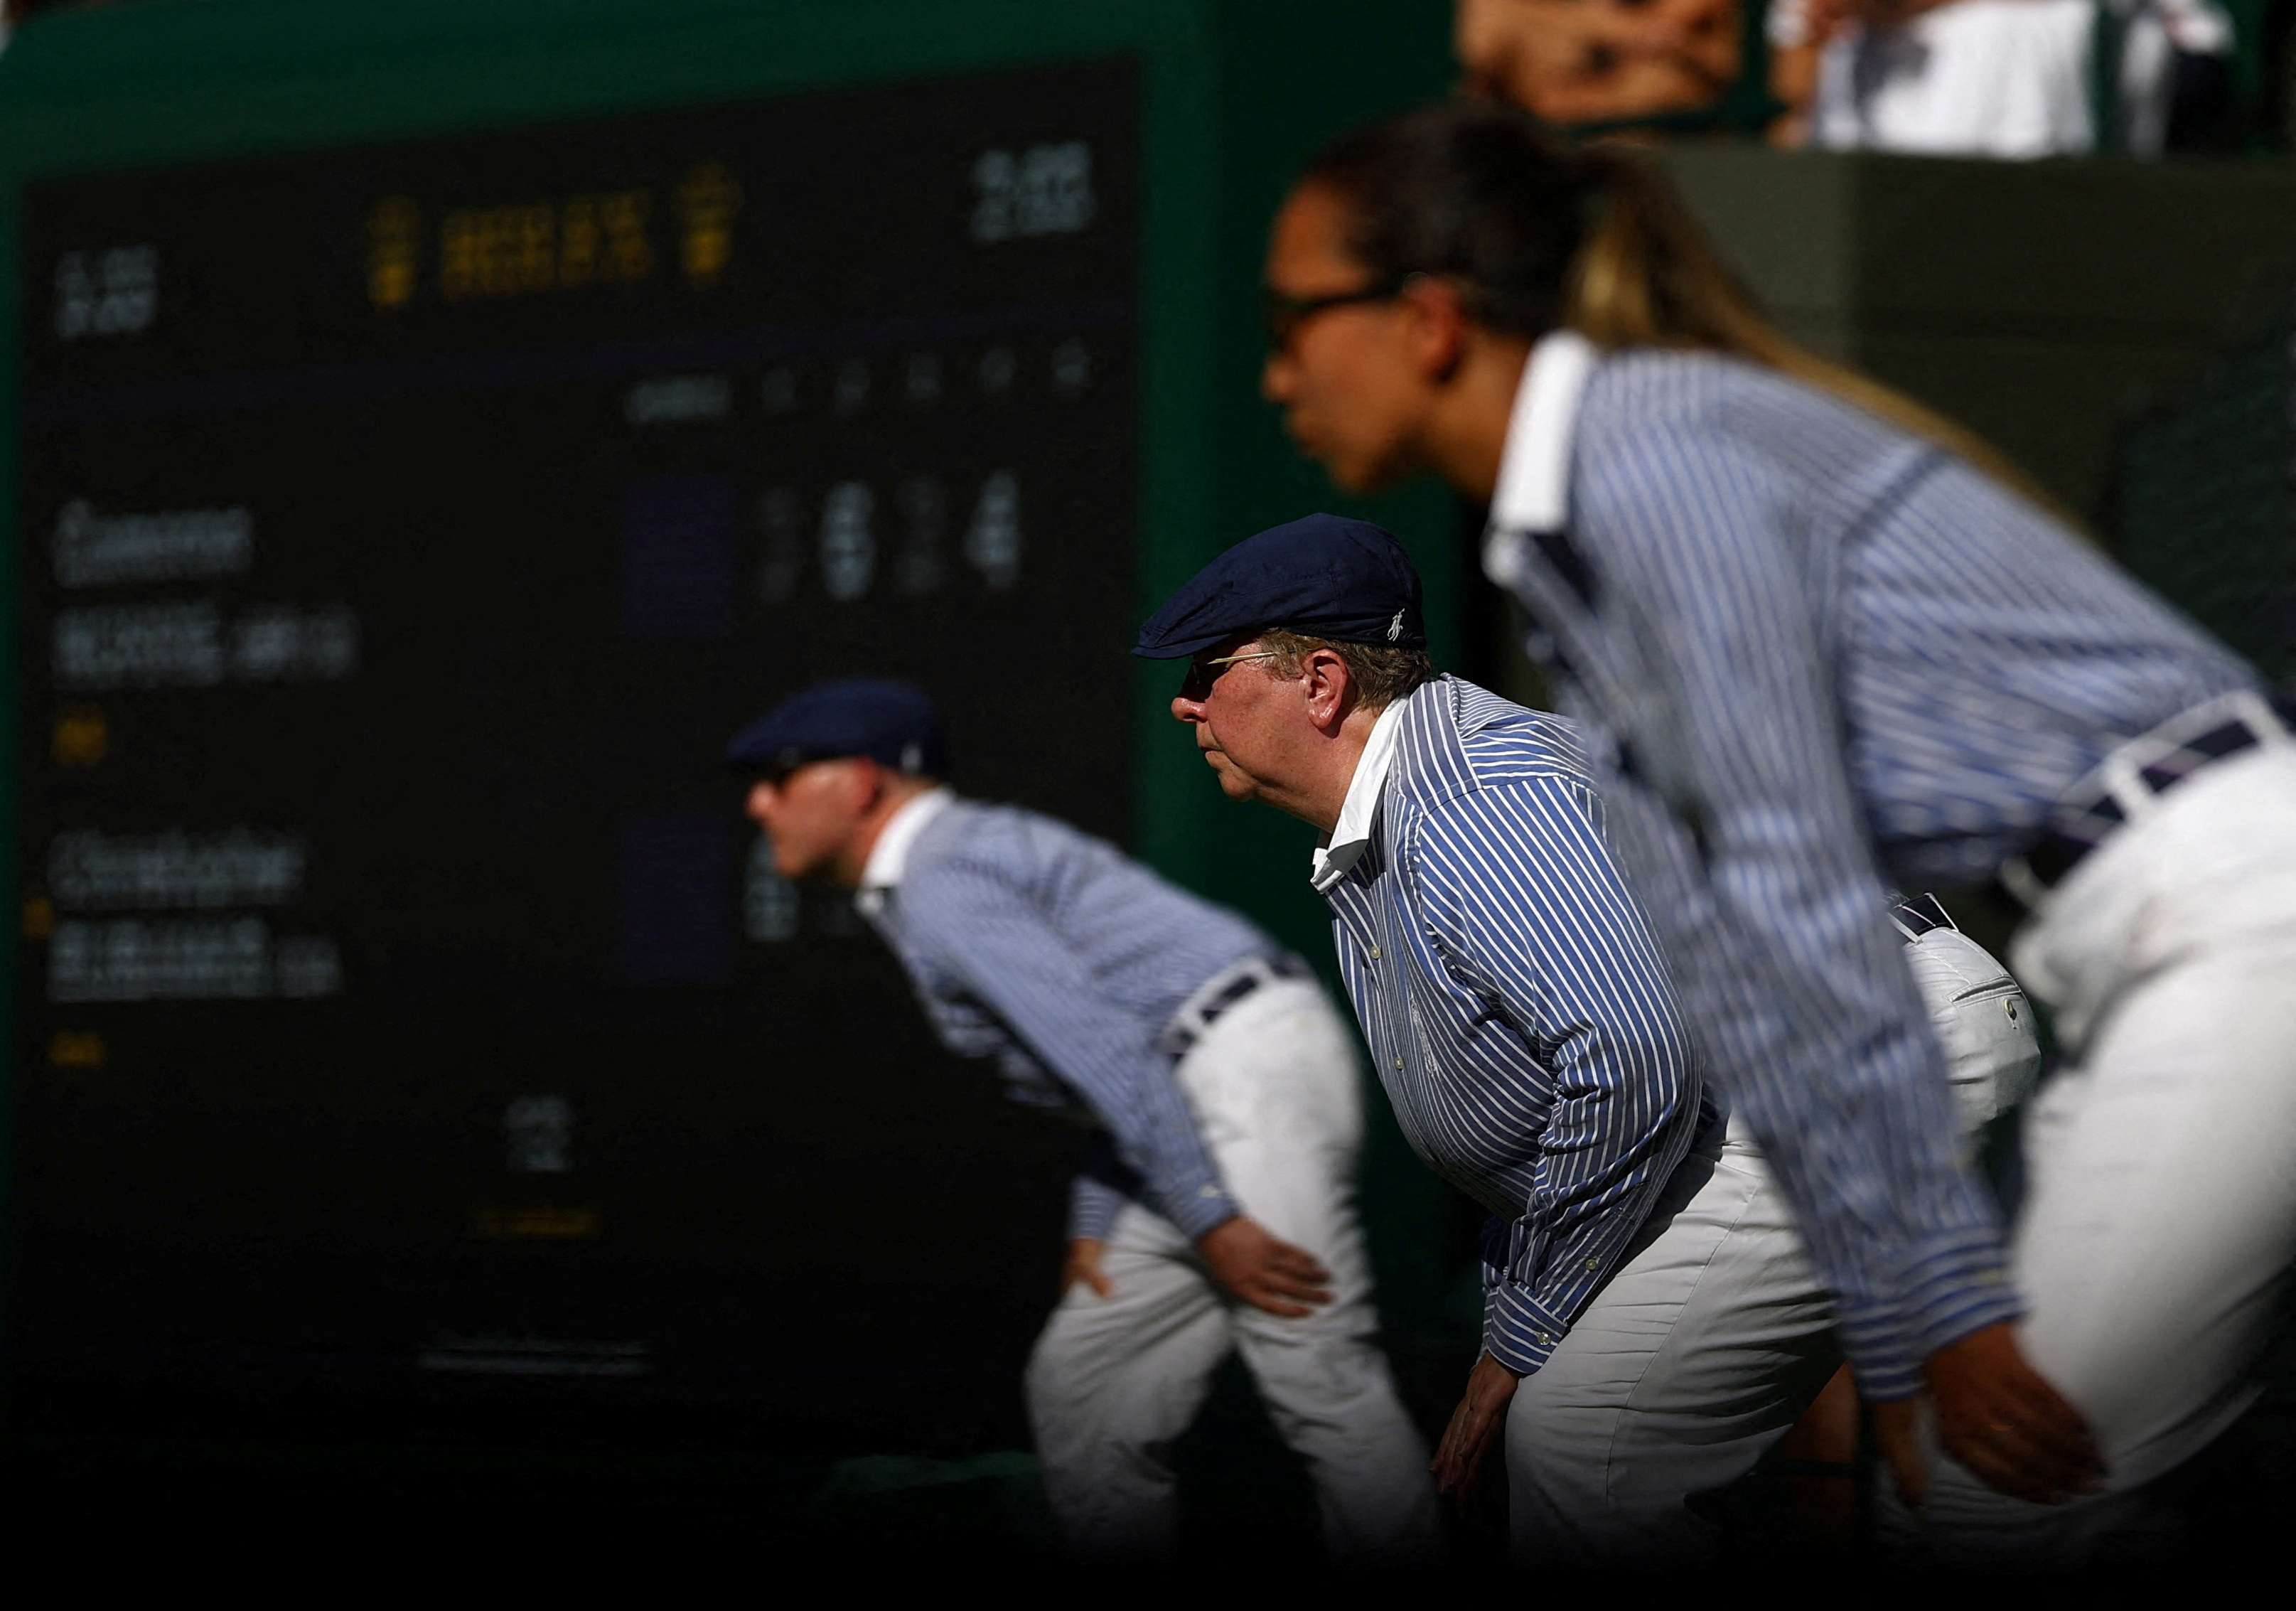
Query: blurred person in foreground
pixel 1811 633
pixel 1215 1208
pixel 1651 1323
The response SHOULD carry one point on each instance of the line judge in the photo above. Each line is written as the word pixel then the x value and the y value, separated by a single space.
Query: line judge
pixel 1215 1209
pixel 1651 1325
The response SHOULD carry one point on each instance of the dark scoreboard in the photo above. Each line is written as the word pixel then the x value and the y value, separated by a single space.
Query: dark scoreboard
pixel 404 1006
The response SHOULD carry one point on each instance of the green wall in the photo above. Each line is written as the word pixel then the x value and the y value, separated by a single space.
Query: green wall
pixel 1238 93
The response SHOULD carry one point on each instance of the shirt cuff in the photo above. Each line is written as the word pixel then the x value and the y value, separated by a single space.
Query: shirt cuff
pixel 1954 1287
pixel 1093 1207
pixel 1199 1208
pixel 1519 1331
pixel 1873 1336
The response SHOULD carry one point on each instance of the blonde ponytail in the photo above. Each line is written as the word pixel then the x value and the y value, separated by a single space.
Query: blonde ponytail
pixel 1541 233
pixel 1645 275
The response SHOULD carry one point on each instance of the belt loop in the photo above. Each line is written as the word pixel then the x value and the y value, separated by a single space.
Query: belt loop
pixel 2123 780
pixel 2262 720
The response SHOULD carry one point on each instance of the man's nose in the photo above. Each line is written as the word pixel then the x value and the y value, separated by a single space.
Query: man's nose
pixel 1184 708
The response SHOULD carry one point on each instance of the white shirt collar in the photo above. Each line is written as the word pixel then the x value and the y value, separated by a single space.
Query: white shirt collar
pixel 889 857
pixel 1352 834
pixel 1534 488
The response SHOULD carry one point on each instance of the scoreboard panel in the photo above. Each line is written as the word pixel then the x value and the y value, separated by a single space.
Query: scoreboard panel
pixel 409 532
pixel 407 509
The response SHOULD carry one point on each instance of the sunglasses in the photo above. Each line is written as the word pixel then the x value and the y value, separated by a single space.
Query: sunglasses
pixel 1196 685
pixel 791 762
pixel 1286 313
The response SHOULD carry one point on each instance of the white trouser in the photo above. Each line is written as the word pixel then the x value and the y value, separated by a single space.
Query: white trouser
pixel 2160 1215
pixel 1700 1353
pixel 1114 1381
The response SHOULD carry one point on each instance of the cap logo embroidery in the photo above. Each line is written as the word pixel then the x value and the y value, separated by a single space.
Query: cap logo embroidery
pixel 913 756
pixel 1395 627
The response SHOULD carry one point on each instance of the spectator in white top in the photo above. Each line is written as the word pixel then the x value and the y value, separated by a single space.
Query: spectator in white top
pixel 2014 78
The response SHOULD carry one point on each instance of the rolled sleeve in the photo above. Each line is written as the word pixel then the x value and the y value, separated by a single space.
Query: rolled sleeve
pixel 1519 1331
pixel 1093 1207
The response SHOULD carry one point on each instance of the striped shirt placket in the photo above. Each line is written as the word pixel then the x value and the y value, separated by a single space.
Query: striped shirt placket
pixel 1365 941
pixel 1376 977
pixel 1507 1241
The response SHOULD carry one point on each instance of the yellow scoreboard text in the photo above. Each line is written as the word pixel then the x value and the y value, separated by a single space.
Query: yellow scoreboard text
pixel 522 247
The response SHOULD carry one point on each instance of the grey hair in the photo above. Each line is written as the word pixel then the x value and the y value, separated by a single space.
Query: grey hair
pixel 1379 673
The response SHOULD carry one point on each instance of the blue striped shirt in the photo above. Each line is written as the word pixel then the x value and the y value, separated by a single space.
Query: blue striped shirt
pixel 1064 960
pixel 1804 642
pixel 1516 1006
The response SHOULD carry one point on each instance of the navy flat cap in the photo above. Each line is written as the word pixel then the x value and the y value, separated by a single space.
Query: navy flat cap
pixel 1321 577
pixel 892 723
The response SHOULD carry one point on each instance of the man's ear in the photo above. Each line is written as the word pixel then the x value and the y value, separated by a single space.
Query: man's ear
pixel 857 784
pixel 1437 333
pixel 1330 689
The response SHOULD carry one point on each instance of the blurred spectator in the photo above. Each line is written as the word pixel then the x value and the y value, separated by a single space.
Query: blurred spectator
pixel 2175 82
pixel 1970 78
pixel 2002 78
pixel 1581 61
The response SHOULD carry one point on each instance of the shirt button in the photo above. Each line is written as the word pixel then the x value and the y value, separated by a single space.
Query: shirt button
pixel 1544 1340
pixel 1374 957
pixel 1593 1264
pixel 1399 1063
